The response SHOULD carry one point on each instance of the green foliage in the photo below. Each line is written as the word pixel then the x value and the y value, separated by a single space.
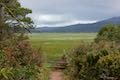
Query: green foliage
pixel 98 60
pixel 109 65
pixel 27 73
pixel 88 63
pixel 14 15
pixel 18 60
pixel 110 33
pixel 6 74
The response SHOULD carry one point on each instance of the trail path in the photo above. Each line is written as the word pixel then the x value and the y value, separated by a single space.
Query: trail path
pixel 56 75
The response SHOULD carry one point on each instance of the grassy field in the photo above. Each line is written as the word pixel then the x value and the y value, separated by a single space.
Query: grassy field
pixel 54 44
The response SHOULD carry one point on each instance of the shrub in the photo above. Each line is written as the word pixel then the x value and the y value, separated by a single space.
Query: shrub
pixel 76 59
pixel 83 62
pixel 97 60
pixel 109 33
pixel 17 53
pixel 109 66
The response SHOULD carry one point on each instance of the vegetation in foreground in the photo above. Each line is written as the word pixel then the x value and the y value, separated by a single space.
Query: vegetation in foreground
pixel 99 60
pixel 18 60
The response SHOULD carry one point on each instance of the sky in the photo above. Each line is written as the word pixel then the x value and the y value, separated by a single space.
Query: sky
pixel 54 13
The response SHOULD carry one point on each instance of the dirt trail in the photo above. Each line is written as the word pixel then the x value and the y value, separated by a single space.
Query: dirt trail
pixel 56 75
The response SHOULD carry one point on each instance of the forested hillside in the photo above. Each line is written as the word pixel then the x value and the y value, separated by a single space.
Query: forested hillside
pixel 93 27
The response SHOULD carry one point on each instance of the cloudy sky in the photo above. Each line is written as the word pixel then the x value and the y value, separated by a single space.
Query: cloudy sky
pixel 54 13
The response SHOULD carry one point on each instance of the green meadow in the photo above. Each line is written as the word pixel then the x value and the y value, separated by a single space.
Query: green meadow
pixel 54 45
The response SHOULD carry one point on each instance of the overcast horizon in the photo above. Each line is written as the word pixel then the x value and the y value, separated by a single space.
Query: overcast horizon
pixel 53 13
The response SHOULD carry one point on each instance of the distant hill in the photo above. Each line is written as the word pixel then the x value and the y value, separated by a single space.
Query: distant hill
pixel 94 27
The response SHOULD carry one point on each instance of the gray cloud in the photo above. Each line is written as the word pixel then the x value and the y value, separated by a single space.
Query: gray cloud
pixel 71 11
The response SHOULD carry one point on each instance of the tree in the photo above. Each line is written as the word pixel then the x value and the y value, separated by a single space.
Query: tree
pixel 109 33
pixel 12 14
pixel 18 60
pixel 13 18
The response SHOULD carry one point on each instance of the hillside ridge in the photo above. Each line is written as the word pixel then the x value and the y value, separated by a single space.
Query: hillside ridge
pixel 93 27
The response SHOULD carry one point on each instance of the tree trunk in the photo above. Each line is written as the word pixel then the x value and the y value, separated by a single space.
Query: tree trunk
pixel 1 15
pixel 1 22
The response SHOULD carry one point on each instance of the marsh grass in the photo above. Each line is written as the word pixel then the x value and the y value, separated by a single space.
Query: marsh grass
pixel 54 44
